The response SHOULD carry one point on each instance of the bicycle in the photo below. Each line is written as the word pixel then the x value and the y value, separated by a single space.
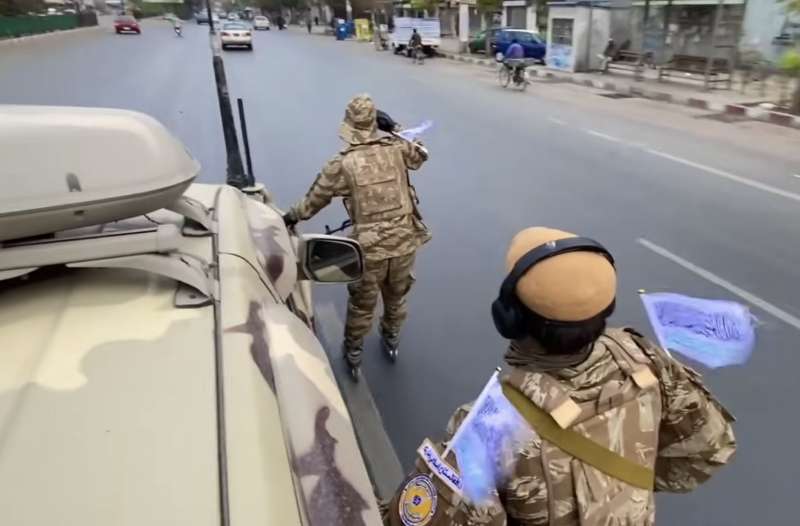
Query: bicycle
pixel 513 71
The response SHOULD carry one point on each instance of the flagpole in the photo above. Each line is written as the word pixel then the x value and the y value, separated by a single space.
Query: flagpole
pixel 471 414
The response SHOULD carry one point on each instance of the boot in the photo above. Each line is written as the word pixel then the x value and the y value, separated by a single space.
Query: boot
pixel 352 355
pixel 391 344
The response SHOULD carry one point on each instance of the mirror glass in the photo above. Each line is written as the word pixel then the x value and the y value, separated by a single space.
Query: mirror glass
pixel 333 261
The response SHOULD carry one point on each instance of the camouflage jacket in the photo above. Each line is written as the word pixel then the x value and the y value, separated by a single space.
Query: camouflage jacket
pixel 674 426
pixel 396 229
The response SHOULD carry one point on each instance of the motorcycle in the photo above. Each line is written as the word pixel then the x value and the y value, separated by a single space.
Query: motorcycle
pixel 178 31
pixel 381 42
pixel 417 54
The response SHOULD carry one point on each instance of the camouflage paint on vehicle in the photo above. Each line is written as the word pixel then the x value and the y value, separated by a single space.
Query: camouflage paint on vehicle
pixel 304 392
pixel 109 390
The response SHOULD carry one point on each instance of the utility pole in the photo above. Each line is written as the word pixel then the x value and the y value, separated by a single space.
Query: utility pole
pixel 589 37
pixel 713 44
pixel 667 13
pixel 235 175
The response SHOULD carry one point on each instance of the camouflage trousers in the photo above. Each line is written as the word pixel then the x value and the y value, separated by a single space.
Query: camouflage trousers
pixel 391 279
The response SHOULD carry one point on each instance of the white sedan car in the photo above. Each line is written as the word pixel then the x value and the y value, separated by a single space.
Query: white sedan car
pixel 261 22
pixel 236 34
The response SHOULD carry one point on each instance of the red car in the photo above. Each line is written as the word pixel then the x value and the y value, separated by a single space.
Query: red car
pixel 127 24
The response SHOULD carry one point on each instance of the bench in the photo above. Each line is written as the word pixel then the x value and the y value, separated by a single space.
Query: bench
pixel 694 68
pixel 629 61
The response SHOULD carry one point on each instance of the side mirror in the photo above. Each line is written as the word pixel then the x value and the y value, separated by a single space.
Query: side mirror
pixel 331 259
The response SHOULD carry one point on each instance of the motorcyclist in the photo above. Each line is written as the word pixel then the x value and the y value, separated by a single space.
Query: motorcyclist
pixel 176 26
pixel 514 58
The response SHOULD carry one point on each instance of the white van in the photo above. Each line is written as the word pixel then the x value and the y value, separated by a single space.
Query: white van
pixel 428 28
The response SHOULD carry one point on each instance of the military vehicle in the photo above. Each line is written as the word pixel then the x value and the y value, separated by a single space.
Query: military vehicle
pixel 158 360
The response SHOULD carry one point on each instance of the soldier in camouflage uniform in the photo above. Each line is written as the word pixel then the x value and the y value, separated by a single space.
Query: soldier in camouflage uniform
pixel 611 386
pixel 371 174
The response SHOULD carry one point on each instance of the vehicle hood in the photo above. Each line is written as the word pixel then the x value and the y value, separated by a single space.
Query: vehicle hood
pixel 107 401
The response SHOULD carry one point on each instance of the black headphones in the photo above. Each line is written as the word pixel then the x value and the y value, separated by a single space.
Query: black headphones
pixel 511 317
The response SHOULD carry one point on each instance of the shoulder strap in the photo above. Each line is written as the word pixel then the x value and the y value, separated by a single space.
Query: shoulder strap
pixel 579 446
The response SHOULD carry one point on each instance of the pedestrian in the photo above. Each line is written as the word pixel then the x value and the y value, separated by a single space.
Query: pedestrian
pixel 610 417
pixel 308 24
pixel 316 20
pixel 371 174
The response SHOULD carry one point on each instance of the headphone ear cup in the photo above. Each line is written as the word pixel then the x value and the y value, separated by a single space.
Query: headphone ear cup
pixel 508 318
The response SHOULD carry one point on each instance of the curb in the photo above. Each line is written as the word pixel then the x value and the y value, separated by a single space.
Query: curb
pixel 27 38
pixel 758 114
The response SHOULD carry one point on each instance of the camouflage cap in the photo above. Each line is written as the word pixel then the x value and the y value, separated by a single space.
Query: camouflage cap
pixel 359 124
pixel 574 286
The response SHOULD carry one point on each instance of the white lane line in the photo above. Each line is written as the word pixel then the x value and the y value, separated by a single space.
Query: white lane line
pixel 604 136
pixel 721 173
pixel 556 121
pixel 727 285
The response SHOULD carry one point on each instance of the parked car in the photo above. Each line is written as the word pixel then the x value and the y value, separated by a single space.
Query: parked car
pixel 236 34
pixel 261 22
pixel 477 44
pixel 533 44
pixel 233 16
pixel 202 17
pixel 158 358
pixel 127 24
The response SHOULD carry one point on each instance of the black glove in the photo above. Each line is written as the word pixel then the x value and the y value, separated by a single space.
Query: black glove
pixel 289 219
pixel 386 123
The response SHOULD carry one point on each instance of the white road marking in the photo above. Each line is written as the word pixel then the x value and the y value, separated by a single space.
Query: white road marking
pixel 797 175
pixel 556 121
pixel 727 285
pixel 603 136
pixel 721 173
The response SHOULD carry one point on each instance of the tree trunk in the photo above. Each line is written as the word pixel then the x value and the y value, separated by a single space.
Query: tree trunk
pixel 795 107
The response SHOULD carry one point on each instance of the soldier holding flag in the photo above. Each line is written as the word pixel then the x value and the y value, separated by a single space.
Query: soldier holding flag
pixel 587 423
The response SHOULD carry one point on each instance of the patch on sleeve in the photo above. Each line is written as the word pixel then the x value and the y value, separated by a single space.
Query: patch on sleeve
pixel 446 473
pixel 417 503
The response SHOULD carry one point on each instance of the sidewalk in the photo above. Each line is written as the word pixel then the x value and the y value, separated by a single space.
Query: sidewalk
pixel 103 22
pixel 752 102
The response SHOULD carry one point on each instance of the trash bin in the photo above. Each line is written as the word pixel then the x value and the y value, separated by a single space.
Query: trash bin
pixel 341 31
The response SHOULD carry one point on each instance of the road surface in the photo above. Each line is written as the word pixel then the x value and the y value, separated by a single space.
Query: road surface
pixel 685 202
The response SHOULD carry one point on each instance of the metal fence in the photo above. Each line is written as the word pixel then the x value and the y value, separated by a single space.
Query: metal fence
pixel 17 26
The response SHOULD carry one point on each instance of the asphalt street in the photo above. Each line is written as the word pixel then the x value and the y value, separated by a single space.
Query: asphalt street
pixel 686 203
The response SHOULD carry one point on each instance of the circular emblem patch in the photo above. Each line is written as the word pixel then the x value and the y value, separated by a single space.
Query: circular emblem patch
pixel 418 501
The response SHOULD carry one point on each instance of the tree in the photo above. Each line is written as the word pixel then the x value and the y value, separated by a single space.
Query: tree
pixel 790 61
pixel 792 6
pixel 424 5
pixel 489 6
pixel 790 64
pixel 20 7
